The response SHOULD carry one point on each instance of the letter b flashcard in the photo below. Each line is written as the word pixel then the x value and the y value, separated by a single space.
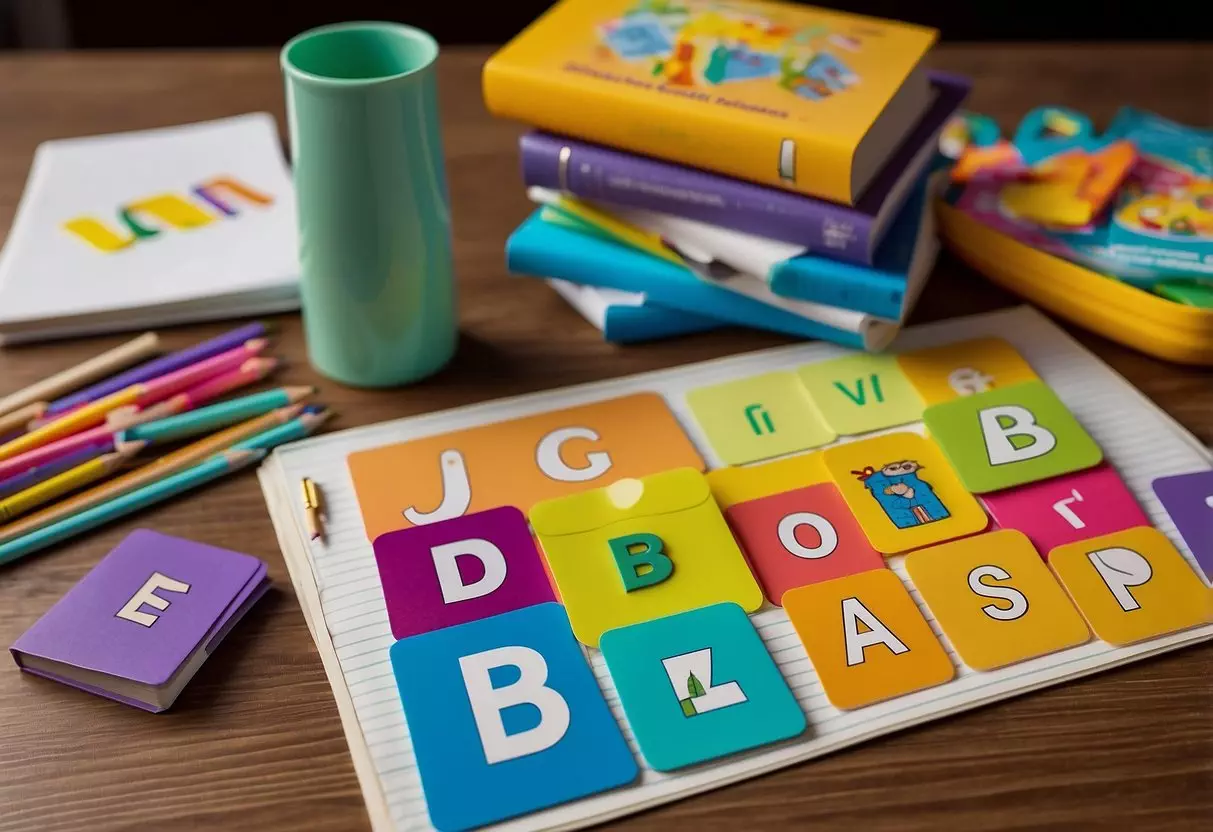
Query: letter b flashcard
pixel 505 718
pixel 460 570
pixel 1010 436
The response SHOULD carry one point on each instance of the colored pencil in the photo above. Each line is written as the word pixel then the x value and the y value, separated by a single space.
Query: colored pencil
pixel 304 425
pixel 41 473
pixel 72 378
pixel 19 419
pixel 194 422
pixel 250 372
pixel 142 395
pixel 166 465
pixel 161 366
pixel 69 480
pixel 311 509
pixel 221 464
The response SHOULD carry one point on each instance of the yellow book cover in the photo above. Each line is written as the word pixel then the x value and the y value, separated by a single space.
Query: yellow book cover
pixel 796 97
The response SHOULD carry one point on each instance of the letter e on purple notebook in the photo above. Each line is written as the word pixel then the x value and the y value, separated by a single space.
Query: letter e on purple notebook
pixel 140 624
pixel 459 570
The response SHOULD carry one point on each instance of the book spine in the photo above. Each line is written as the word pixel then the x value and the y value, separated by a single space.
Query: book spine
pixel 611 176
pixel 665 127
pixel 877 293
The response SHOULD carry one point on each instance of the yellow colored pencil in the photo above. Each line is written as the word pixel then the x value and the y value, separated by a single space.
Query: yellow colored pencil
pixel 165 466
pixel 69 480
pixel 73 422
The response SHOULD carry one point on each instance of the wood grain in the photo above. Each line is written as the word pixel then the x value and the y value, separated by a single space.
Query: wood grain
pixel 255 743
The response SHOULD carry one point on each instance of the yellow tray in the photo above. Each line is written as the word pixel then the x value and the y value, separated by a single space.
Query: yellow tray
pixel 1123 313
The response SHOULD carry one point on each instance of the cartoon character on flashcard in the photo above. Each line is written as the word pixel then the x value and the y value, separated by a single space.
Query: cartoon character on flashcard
pixel 906 498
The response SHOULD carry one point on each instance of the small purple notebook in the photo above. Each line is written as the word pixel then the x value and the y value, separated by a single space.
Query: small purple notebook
pixel 140 624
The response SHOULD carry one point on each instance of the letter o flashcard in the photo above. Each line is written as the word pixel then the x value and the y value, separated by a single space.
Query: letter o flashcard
pixel 506 718
pixel 460 570
pixel 1010 436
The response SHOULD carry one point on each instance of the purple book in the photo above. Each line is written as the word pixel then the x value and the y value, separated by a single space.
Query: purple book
pixel 140 624
pixel 840 232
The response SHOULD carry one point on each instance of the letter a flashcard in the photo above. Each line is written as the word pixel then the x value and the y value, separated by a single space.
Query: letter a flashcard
pixel 460 570
pixel 699 685
pixel 1010 436
pixel 867 639
pixel 506 718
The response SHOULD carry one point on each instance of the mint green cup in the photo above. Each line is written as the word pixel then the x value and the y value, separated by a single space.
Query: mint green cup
pixel 377 282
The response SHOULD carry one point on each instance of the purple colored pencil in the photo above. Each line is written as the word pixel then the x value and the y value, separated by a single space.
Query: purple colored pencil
pixel 158 367
pixel 35 475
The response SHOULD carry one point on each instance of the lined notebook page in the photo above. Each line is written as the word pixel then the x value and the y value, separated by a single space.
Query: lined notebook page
pixel 339 585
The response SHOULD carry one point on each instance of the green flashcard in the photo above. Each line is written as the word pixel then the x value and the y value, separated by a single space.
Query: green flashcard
pixel 861 393
pixel 1010 436
pixel 758 417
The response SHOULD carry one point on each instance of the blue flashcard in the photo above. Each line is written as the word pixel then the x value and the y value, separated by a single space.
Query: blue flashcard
pixel 699 685
pixel 506 718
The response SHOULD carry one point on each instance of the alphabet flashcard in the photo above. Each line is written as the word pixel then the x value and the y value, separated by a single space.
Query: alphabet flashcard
pixel 758 417
pixel 1064 509
pixel 1010 436
pixel 964 368
pixel 995 599
pixel 699 685
pixel 1132 585
pixel 459 570
pixel 505 718
pixel 903 492
pixel 736 484
pixel 517 462
pixel 1188 499
pixel 641 549
pixel 866 638
pixel 861 393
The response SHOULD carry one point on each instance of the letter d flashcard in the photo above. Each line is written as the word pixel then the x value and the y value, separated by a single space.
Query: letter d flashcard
pixel 506 718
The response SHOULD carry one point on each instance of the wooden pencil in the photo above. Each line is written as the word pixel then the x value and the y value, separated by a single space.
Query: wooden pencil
pixel 19 419
pixel 69 480
pixel 164 466
pixel 73 378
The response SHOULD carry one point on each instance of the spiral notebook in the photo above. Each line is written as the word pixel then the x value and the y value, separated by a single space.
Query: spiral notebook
pixel 338 585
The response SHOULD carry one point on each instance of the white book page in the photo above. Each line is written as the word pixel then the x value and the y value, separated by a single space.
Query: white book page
pixel 338 583
pixel 47 272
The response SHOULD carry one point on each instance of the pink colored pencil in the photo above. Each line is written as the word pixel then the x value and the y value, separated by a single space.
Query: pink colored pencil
pixel 54 450
pixel 250 372
pixel 159 389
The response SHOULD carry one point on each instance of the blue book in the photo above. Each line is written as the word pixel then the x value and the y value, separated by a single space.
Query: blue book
pixel 629 317
pixel 889 288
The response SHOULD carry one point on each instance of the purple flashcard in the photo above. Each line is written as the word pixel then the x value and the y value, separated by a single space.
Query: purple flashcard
pixel 459 570
pixel 1188 498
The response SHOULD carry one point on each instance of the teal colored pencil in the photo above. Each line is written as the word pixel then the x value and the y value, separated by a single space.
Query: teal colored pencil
pixel 220 464
pixel 215 416
pixel 301 426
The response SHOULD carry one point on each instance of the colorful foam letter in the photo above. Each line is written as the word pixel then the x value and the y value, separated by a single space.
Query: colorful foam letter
pixel 1065 509
pixel 867 639
pixel 861 393
pixel 941 374
pixel 995 599
pixel 737 485
pixel 699 685
pixel 758 417
pixel 596 544
pixel 1188 499
pixel 801 537
pixel 506 718
pixel 1010 436
pixel 517 462
pixel 459 570
pixel 1132 585
pixel 903 492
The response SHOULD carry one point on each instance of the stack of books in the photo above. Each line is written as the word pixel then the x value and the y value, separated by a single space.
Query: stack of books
pixel 709 163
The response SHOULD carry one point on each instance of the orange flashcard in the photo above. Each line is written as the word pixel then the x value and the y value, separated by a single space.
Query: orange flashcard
pixel 517 462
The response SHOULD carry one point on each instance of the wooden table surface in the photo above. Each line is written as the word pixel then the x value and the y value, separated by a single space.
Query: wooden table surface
pixel 255 743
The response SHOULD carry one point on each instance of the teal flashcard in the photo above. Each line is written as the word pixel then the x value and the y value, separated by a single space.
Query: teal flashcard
pixel 506 718
pixel 1010 436
pixel 699 685
pixel 861 393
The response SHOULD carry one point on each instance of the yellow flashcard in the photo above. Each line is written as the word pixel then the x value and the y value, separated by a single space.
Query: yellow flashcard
pixel 641 549
pixel 1132 585
pixel 758 417
pixel 861 393
pixel 903 492
pixel 995 599
pixel 941 374
pixel 867 639
pixel 734 485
